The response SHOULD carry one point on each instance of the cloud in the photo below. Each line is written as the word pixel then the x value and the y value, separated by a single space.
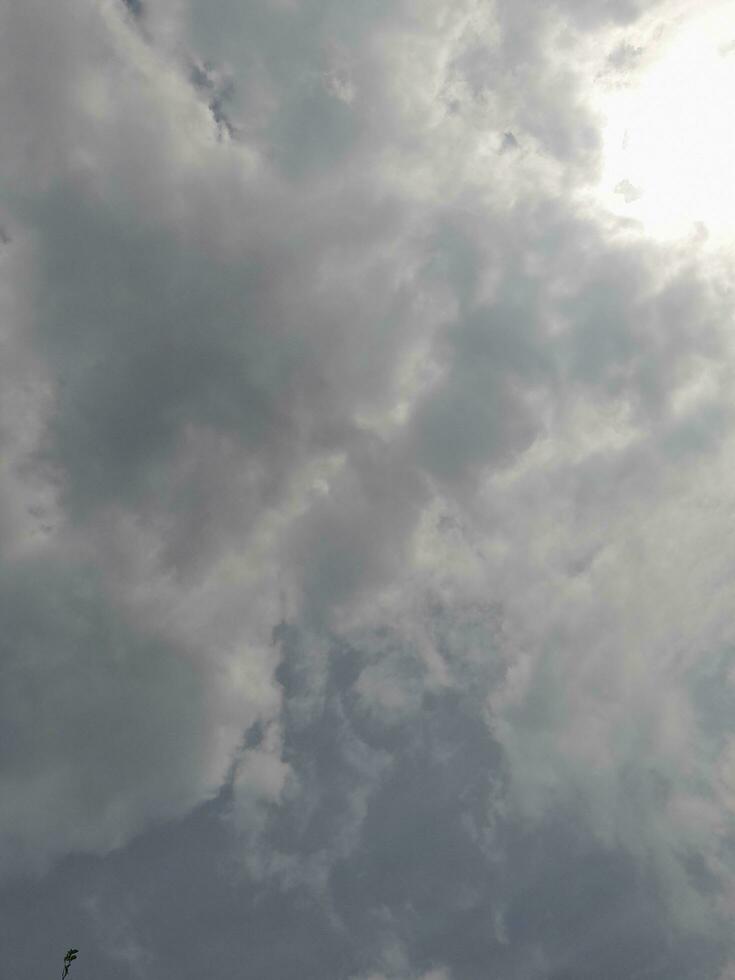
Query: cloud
pixel 135 7
pixel 625 56
pixel 509 142
pixel 627 191
pixel 364 505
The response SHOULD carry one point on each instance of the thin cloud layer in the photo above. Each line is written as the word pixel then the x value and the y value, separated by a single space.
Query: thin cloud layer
pixel 364 502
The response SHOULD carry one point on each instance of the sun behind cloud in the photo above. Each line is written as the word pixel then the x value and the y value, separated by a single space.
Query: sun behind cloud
pixel 669 143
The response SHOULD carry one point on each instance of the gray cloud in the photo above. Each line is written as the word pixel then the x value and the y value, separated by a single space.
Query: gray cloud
pixel 625 56
pixel 85 698
pixel 364 508
pixel 629 192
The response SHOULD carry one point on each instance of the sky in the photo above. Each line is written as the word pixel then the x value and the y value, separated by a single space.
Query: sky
pixel 367 439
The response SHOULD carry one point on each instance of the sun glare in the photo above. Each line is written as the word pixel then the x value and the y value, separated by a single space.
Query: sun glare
pixel 669 137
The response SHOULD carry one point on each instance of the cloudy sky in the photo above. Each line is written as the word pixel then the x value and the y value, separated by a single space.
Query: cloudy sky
pixel 367 512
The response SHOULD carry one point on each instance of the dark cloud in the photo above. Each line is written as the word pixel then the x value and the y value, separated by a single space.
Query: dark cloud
pixel 101 720
pixel 438 876
pixel 135 7
pixel 509 142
